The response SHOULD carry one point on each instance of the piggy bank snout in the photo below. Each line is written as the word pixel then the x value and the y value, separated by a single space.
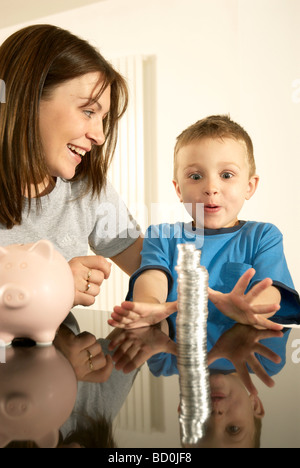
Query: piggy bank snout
pixel 17 405
pixel 15 296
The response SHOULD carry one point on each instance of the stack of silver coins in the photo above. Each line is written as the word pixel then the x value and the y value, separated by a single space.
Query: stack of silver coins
pixel 191 324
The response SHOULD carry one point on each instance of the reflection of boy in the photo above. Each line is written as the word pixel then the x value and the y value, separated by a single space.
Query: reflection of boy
pixel 214 166
pixel 236 416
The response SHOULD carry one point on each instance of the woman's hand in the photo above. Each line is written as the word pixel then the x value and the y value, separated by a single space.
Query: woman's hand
pixel 85 355
pixel 89 273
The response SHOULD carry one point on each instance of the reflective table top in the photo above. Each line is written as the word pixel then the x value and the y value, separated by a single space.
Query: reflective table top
pixel 49 397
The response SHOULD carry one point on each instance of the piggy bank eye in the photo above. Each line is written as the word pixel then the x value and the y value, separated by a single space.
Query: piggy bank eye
pixel 8 266
pixel 23 265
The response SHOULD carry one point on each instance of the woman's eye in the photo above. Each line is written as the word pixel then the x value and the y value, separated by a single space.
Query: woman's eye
pixel 227 175
pixel 89 113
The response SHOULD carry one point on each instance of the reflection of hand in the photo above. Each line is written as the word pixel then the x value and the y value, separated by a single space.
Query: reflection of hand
pixel 85 354
pixel 140 314
pixel 239 345
pixel 137 346
pixel 238 306
pixel 89 273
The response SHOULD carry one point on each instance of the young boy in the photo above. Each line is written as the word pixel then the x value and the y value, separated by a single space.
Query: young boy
pixel 214 168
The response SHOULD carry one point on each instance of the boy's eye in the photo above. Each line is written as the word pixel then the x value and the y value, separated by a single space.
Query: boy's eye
pixel 196 176
pixel 233 430
pixel 227 175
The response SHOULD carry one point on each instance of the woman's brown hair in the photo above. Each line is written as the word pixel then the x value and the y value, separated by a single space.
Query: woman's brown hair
pixel 33 62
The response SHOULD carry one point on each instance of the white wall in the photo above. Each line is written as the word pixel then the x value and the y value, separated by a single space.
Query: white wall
pixel 270 109
pixel 218 56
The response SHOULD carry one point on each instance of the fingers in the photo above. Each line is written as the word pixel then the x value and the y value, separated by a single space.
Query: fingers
pixel 265 309
pixel 253 315
pixel 258 369
pixel 244 282
pixel 121 317
pixel 101 371
pixel 140 314
pixel 265 323
pixel 258 289
pixel 89 273
pixel 96 262
pixel 246 379
pixel 93 365
pixel 130 355
pixel 124 316
pixel 267 352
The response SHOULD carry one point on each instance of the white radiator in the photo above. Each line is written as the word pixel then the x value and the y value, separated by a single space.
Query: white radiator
pixel 127 174
pixel 127 171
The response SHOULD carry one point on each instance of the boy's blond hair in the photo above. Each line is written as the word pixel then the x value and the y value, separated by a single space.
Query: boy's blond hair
pixel 216 127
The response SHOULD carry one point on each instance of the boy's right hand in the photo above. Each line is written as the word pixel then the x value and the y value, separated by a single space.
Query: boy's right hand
pixel 241 346
pixel 140 314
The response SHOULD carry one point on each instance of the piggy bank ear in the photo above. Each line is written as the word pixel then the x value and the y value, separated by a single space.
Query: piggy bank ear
pixel 43 248
pixel 49 440
pixel 4 440
pixel 3 252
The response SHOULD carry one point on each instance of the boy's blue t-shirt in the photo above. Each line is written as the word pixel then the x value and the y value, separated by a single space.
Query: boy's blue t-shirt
pixel 227 254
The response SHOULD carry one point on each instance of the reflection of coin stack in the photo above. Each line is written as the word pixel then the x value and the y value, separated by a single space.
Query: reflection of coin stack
pixel 195 402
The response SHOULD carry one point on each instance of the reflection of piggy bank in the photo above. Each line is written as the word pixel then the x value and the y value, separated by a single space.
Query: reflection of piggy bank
pixel 36 292
pixel 38 389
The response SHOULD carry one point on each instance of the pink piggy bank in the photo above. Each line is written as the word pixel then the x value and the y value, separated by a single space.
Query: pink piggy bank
pixel 36 292
pixel 37 395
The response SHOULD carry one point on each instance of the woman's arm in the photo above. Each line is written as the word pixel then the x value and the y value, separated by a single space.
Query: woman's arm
pixel 130 259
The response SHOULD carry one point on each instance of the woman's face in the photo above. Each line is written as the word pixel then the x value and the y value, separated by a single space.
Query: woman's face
pixel 70 123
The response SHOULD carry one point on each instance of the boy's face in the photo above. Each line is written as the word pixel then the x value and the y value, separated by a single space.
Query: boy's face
pixel 231 424
pixel 215 173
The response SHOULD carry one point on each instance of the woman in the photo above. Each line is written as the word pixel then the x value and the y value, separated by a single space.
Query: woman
pixel 63 102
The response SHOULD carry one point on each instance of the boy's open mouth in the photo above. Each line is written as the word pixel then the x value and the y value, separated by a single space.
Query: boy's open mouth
pixel 211 208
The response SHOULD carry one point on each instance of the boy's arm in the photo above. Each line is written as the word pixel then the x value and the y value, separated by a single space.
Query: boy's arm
pixel 151 286
pixel 149 304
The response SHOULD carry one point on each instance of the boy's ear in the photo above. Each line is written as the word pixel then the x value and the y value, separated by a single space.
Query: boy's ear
pixel 252 186
pixel 258 408
pixel 177 190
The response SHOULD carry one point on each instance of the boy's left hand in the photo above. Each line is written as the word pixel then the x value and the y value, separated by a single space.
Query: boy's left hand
pixel 137 346
pixel 239 306
pixel 140 314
